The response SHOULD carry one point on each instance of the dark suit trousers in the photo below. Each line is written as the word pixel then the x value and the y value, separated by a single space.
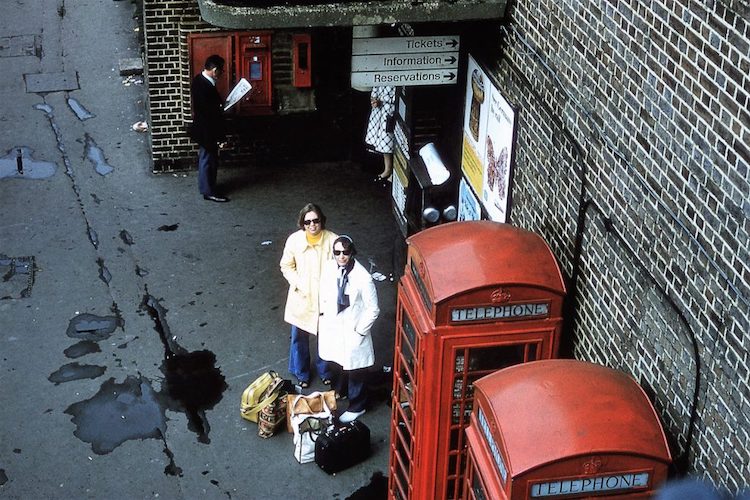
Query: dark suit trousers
pixel 208 164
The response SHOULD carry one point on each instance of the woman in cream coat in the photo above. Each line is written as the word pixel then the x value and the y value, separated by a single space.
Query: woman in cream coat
pixel 349 307
pixel 301 263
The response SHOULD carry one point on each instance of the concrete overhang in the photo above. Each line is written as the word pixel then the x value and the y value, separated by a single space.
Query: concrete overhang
pixel 240 15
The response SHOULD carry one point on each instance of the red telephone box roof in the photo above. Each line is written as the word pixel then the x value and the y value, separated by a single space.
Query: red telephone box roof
pixel 556 409
pixel 484 253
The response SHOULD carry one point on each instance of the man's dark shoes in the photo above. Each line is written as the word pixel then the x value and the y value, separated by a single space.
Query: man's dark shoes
pixel 217 199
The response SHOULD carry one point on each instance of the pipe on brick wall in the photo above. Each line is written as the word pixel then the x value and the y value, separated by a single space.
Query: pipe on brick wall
pixel 682 462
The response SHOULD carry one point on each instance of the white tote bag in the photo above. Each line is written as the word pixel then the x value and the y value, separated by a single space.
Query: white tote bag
pixel 306 428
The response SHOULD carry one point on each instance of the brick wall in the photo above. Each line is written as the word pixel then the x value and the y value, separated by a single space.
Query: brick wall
pixel 632 161
pixel 166 24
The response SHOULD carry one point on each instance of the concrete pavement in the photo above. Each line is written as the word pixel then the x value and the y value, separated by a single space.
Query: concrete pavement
pixel 108 270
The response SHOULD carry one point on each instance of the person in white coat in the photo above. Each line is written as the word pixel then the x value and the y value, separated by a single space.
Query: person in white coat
pixel 349 308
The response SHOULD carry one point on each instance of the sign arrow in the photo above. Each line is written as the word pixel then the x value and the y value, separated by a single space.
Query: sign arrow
pixel 451 60
pixel 452 43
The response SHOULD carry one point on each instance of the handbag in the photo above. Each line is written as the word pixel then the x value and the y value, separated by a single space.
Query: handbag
pixel 308 426
pixel 308 405
pixel 390 123
pixel 272 416
pixel 261 392
pixel 340 447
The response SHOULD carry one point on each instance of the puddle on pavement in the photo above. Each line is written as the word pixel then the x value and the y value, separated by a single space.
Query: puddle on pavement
pixel 93 237
pixel 96 157
pixel 91 327
pixel 192 382
pixel 172 227
pixel 119 413
pixel 76 371
pixel 77 108
pixel 82 348
pixel 18 163
pixel 132 410
pixel 376 489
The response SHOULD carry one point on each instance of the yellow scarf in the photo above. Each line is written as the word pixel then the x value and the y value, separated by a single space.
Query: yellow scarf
pixel 314 239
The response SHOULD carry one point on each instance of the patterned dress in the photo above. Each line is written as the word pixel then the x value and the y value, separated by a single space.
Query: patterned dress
pixel 377 137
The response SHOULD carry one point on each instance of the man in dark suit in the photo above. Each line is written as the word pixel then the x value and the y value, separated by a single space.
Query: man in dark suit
pixel 208 125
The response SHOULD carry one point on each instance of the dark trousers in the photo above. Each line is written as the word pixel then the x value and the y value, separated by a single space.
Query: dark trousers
pixel 208 164
pixel 353 384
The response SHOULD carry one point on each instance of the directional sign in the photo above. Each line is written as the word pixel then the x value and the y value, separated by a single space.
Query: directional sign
pixel 384 62
pixel 404 78
pixel 405 61
pixel 404 45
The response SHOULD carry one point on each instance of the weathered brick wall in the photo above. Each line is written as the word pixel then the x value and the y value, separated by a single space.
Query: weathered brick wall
pixel 632 160
pixel 166 24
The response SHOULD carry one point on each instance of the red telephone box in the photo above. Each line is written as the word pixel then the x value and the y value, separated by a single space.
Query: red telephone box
pixel 560 429
pixel 476 296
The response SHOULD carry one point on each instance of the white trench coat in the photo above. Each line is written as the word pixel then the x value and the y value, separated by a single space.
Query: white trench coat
pixel 344 337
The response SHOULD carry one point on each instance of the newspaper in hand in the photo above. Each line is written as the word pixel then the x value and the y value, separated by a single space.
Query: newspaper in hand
pixel 239 90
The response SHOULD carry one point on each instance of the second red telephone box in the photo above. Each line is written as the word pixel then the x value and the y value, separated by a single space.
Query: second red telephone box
pixel 476 296
pixel 561 429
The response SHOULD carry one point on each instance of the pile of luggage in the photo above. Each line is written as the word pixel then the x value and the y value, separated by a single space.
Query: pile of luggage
pixel 272 402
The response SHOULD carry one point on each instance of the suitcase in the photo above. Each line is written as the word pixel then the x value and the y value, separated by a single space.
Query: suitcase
pixel 342 446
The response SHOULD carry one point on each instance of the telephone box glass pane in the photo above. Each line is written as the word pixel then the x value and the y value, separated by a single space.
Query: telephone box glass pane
pixel 256 70
pixel 476 487
pixel 495 357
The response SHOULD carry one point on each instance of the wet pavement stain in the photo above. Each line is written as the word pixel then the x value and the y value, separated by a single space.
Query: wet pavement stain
pixel 82 348
pixel 376 489
pixel 192 383
pixel 124 345
pixel 75 371
pixel 96 157
pixel 17 276
pixel 104 273
pixel 126 237
pixel 93 237
pixel 141 271
pixel 119 413
pixel 77 108
pixel 172 227
pixel 3 477
pixel 28 169
pixel 91 327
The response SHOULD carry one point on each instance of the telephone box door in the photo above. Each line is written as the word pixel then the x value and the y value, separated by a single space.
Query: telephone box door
pixel 254 64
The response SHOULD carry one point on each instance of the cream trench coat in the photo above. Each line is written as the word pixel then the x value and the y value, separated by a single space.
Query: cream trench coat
pixel 345 336
pixel 301 264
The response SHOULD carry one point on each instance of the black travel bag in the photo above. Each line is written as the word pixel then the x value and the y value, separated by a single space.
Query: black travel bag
pixel 342 446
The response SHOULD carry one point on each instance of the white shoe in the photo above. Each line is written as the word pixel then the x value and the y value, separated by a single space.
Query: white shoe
pixel 350 416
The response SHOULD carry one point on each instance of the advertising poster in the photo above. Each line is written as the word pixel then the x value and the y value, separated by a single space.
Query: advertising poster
pixel 476 108
pixel 468 204
pixel 498 154
pixel 488 135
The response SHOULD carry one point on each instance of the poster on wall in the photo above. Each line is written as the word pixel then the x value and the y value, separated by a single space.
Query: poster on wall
pixel 489 127
pixel 468 204
pixel 476 108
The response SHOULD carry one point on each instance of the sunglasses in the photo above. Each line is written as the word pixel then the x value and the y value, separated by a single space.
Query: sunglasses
pixel 339 252
pixel 311 221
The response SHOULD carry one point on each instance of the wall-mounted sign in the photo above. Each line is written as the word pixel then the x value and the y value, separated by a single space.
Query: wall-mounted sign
pixel 405 61
pixel 468 204
pixel 488 135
